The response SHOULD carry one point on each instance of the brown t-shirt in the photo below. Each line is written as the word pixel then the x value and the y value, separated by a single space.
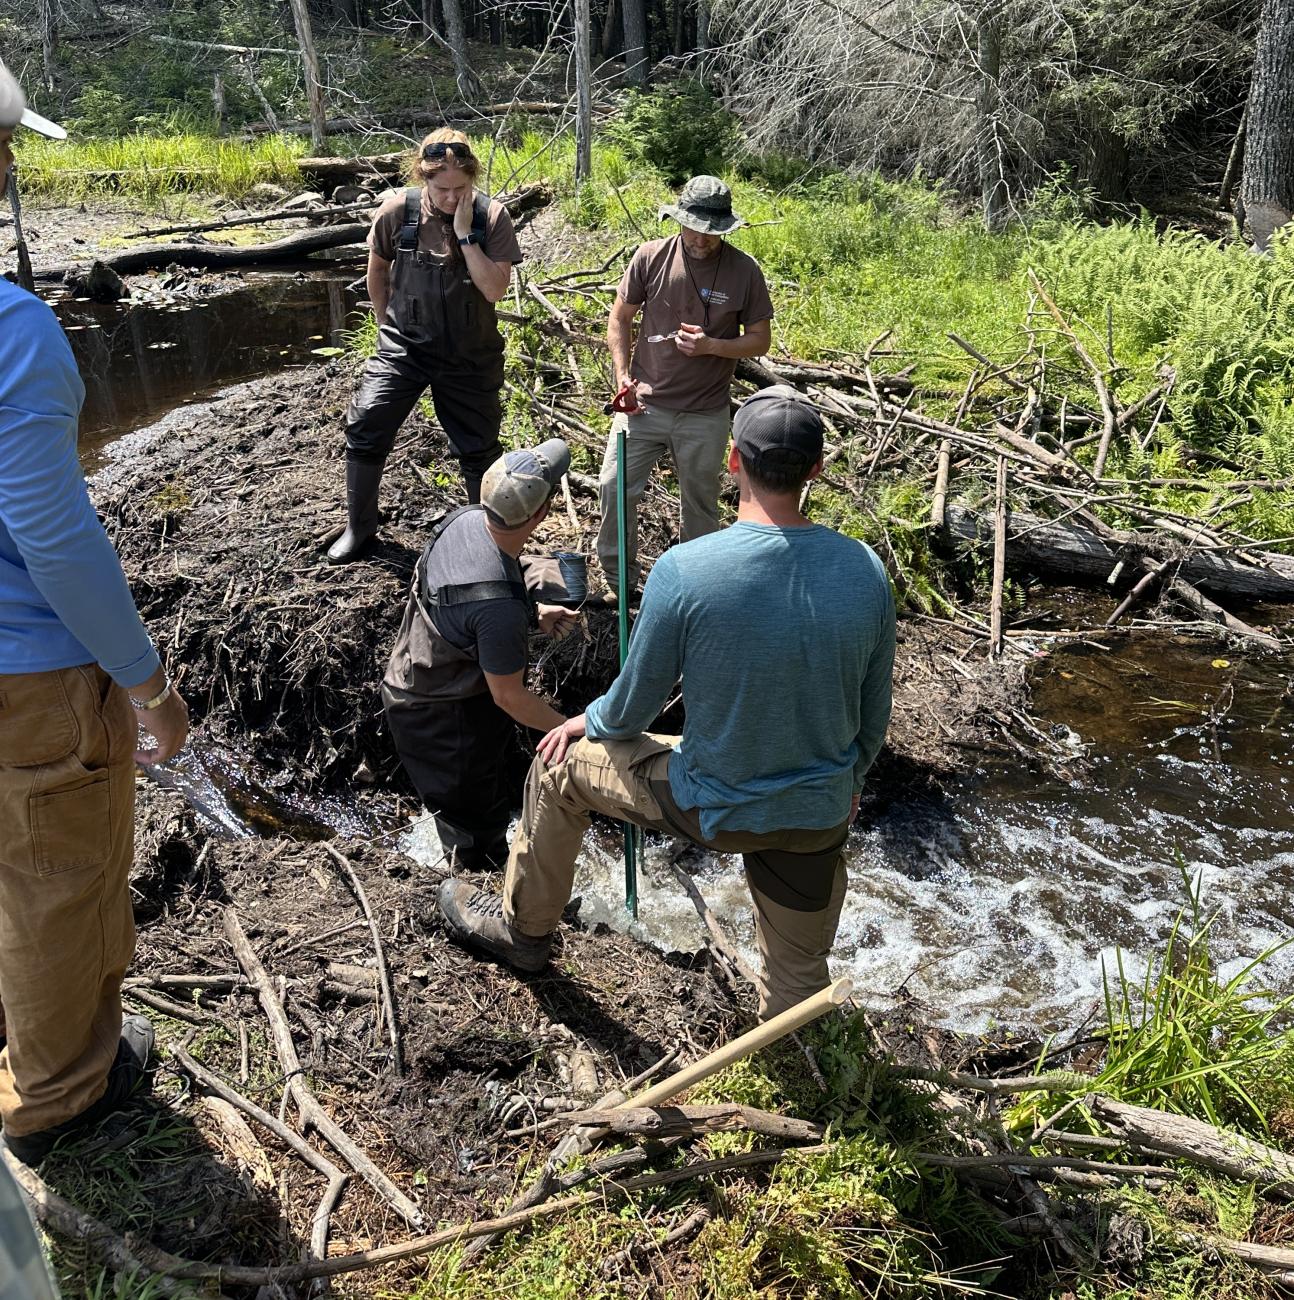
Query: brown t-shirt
pixel 673 289
pixel 435 232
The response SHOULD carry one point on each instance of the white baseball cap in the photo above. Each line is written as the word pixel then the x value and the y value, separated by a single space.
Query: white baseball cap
pixel 14 110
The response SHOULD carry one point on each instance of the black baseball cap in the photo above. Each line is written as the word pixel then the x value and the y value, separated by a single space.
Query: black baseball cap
pixel 778 419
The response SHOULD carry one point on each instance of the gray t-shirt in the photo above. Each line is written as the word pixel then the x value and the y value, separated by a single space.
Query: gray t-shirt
pixel 496 630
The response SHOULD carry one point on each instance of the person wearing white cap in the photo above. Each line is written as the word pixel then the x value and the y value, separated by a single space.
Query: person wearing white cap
pixel 455 688
pixel 74 658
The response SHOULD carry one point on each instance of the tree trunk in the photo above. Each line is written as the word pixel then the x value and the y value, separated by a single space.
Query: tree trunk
pixel 48 41
pixel 429 19
pixel 469 85
pixel 680 30
pixel 635 15
pixel 1105 165
pixel 988 141
pixel 702 25
pixel 314 82
pixel 610 29
pixel 583 92
pixel 218 101
pixel 1268 186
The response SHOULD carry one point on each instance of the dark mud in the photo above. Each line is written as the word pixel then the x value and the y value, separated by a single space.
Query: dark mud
pixel 221 513
pixel 475 1038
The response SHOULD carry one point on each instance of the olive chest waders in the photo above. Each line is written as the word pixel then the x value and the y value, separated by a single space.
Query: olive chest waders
pixel 440 332
pixel 456 744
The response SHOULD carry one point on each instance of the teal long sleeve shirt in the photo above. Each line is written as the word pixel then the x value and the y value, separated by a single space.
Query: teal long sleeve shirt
pixel 783 639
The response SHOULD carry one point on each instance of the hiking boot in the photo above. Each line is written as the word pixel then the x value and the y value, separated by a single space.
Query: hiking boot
pixel 476 918
pixel 127 1076
pixel 363 482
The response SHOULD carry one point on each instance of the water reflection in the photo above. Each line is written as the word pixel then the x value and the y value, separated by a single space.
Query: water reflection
pixel 139 361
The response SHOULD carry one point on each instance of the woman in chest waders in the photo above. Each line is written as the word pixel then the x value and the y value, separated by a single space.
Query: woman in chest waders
pixel 440 257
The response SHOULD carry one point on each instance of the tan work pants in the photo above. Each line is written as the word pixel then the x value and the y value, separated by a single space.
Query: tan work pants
pixel 698 443
pixel 628 780
pixel 67 931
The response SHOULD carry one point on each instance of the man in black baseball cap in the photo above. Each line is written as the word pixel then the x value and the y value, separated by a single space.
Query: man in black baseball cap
pixel 455 687
pixel 787 632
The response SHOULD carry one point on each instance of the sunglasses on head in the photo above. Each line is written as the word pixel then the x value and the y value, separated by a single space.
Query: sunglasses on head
pixel 435 152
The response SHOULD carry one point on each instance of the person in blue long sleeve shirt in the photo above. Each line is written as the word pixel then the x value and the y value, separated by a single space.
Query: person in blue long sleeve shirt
pixel 782 634
pixel 74 658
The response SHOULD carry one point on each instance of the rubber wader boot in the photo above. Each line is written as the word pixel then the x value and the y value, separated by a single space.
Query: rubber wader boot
pixel 472 482
pixel 363 481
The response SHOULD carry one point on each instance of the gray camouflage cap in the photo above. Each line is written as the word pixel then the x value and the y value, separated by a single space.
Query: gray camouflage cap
pixel 705 205
pixel 520 482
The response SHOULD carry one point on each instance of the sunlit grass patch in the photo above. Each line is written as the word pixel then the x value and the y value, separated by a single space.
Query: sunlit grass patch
pixel 149 167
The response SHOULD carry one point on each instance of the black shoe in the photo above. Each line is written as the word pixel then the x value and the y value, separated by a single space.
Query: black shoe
pixel 476 918
pixel 128 1076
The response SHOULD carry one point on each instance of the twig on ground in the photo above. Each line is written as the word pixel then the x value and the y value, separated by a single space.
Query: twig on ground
pixel 383 970
pixel 312 1113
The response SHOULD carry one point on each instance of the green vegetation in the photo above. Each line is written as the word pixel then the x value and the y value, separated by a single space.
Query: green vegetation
pixel 149 167
pixel 874 1217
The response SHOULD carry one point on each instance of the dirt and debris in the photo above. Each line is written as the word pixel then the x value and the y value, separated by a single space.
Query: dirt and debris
pixel 221 514
pixel 485 1052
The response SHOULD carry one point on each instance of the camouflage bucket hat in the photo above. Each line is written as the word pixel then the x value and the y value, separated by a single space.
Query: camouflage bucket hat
pixel 705 205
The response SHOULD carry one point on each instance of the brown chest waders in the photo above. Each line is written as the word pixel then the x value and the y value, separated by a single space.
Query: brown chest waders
pixel 440 333
pixel 456 744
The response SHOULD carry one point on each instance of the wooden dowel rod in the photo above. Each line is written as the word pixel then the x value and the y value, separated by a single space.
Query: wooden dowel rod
pixel 770 1031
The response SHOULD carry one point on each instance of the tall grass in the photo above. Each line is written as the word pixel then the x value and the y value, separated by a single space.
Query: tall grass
pixel 149 167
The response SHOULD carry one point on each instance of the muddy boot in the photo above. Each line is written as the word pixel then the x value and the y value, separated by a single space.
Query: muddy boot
pixel 363 481
pixel 128 1076
pixel 476 918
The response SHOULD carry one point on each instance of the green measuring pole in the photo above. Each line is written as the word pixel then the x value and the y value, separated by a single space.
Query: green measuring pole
pixel 622 593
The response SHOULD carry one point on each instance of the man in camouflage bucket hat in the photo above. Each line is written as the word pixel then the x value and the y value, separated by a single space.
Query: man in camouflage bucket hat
pixel 704 304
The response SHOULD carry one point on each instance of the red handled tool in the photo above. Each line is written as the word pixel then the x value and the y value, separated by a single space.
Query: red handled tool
pixel 625 402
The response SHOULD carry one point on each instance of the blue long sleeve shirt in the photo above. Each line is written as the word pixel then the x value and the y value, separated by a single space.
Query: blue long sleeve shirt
pixel 63 597
pixel 783 639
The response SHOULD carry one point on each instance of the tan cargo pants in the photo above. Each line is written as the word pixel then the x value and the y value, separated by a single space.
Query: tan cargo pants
pixel 67 931
pixel 698 443
pixel 628 780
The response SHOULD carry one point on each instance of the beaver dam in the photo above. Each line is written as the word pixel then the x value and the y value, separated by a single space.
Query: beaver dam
pixel 339 1081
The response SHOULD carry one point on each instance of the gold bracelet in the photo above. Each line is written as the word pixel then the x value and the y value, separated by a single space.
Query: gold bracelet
pixel 156 702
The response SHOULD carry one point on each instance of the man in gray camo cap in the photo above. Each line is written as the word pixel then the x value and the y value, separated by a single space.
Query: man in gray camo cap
pixel 703 305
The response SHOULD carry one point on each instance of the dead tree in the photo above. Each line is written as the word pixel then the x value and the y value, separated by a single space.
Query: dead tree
pixel 468 83
pixel 988 144
pixel 48 41
pixel 314 83
pixel 1268 185
pixel 583 92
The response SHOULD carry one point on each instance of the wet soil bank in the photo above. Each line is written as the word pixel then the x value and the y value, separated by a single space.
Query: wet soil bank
pixel 221 511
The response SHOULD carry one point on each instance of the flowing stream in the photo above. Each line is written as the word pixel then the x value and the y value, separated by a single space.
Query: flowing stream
pixel 999 900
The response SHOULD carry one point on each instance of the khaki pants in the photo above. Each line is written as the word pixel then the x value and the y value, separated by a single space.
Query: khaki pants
pixel 698 443
pixel 628 780
pixel 67 931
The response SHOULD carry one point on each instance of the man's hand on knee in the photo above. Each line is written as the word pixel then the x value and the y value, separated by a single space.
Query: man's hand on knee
pixel 552 749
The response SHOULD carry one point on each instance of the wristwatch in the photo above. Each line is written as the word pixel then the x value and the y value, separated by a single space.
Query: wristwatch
pixel 473 238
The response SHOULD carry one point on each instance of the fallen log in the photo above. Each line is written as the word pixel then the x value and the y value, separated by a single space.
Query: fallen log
pixel 1243 1158
pixel 209 256
pixel 1077 552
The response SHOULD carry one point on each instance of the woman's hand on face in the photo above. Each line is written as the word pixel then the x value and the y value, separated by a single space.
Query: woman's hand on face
pixel 463 213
